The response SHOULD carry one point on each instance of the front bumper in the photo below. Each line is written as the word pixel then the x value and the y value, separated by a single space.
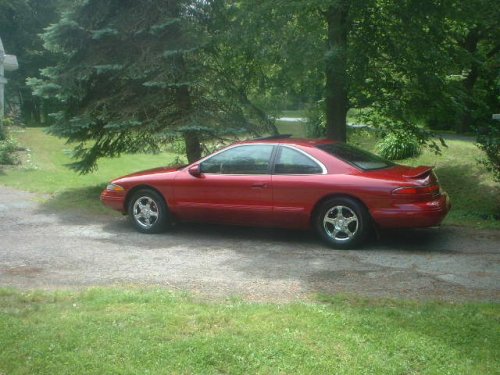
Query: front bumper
pixel 114 200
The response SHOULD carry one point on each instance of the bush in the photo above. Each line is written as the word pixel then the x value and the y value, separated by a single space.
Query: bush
pixel 7 145
pixel 7 149
pixel 3 132
pixel 316 121
pixel 398 145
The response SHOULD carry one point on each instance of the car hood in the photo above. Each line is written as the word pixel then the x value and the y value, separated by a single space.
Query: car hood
pixel 154 171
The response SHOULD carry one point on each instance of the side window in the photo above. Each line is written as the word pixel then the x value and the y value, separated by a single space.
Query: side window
pixel 291 161
pixel 251 159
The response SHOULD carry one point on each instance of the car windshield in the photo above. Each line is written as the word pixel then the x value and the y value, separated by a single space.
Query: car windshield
pixel 353 155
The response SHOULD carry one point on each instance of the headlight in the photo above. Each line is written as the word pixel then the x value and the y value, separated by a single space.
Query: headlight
pixel 114 187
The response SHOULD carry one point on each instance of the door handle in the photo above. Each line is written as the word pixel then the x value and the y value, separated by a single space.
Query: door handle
pixel 259 185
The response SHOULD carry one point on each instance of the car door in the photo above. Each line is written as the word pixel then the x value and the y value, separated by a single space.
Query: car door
pixel 234 187
pixel 299 180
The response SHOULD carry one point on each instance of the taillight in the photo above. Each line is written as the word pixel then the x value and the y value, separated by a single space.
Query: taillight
pixel 432 190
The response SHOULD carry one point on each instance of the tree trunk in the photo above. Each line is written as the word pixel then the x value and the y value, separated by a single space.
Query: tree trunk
pixel 337 102
pixel 185 108
pixel 191 138
pixel 193 147
pixel 469 44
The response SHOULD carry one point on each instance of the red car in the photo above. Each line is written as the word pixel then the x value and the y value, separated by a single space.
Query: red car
pixel 339 190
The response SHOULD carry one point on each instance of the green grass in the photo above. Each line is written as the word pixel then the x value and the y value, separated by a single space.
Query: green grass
pixel 296 129
pixel 132 331
pixel 44 171
pixel 474 195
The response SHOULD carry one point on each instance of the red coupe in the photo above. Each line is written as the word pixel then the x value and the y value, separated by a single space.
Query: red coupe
pixel 337 189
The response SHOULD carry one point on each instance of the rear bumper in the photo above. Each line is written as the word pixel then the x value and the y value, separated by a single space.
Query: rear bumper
pixel 113 200
pixel 413 215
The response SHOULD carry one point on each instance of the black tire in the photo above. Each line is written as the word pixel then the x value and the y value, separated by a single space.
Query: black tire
pixel 148 211
pixel 343 223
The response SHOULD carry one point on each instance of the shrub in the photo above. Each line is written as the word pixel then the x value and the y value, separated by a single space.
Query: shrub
pixel 7 145
pixel 398 145
pixel 316 121
pixel 7 149
pixel 3 132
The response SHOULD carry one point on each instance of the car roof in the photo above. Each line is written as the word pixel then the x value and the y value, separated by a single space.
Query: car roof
pixel 290 141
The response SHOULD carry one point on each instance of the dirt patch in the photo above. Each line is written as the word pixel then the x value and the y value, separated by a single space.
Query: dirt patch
pixel 23 271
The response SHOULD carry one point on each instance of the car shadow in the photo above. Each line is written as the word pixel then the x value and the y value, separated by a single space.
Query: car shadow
pixel 414 240
pixel 214 232
pixel 119 229
pixel 405 239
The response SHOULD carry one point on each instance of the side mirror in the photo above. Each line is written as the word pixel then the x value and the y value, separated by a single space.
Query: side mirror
pixel 195 170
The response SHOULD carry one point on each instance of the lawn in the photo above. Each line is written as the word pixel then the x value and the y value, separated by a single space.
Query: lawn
pixel 134 331
pixel 44 171
pixel 475 196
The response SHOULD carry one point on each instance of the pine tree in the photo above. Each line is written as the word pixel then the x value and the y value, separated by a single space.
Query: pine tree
pixel 131 78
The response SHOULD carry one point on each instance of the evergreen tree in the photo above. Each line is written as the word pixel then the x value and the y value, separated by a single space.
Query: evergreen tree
pixel 131 77
pixel 21 22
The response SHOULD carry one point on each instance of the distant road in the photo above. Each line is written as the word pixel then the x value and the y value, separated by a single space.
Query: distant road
pixel 292 119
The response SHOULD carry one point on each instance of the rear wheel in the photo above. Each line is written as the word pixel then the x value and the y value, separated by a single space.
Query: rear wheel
pixel 342 222
pixel 148 211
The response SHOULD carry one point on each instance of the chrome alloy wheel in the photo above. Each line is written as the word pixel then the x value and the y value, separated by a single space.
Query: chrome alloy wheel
pixel 340 223
pixel 146 212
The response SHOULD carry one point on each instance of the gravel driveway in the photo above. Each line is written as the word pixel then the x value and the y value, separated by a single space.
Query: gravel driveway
pixel 47 250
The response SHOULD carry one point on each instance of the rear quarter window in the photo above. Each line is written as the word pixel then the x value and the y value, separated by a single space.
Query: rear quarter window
pixel 359 158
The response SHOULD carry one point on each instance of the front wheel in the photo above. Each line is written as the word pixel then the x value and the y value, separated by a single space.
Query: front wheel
pixel 148 211
pixel 342 222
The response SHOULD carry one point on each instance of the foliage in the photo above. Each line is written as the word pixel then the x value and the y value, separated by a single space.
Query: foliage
pixel 3 132
pixel 99 331
pixel 410 60
pixel 353 54
pixel 398 146
pixel 400 139
pixel 21 22
pixel 8 146
pixel 316 121
pixel 132 78
pixel 488 140
pixel 7 149
pixel 43 170
pixel 236 63
pixel 469 90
